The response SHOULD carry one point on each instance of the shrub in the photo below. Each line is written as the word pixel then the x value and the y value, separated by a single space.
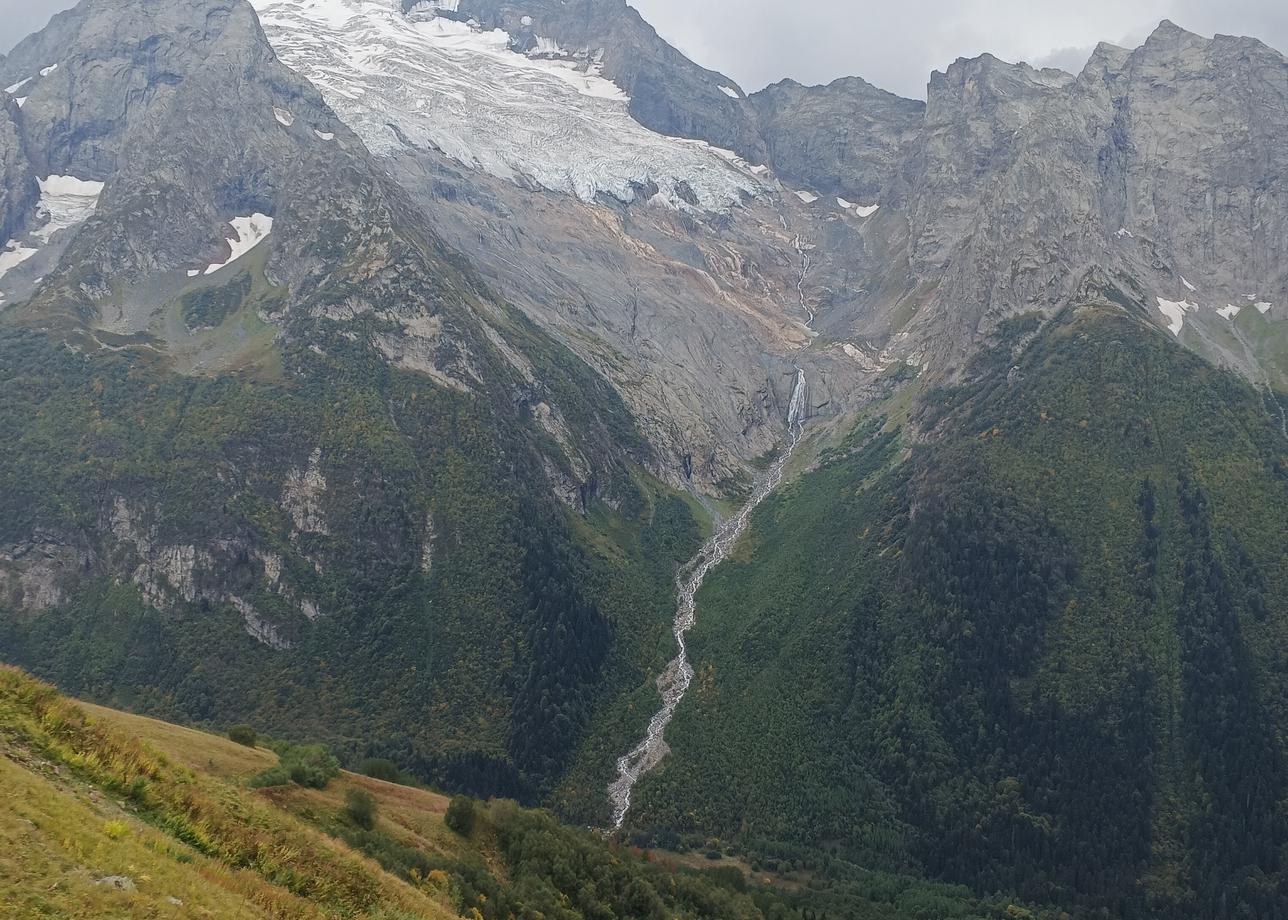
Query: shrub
pixel 379 768
pixel 460 815
pixel 360 808
pixel 116 830
pixel 277 775
pixel 243 734
pixel 306 765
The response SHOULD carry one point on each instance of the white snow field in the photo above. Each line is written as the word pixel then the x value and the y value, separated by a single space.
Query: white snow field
pixel 65 201
pixel 431 82
pixel 1175 311
pixel 69 201
pixel 250 231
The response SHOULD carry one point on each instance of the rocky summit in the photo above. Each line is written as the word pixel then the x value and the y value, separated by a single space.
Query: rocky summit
pixel 876 502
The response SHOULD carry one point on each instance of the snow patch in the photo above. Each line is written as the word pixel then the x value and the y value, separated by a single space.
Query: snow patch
pixel 866 210
pixel 250 232
pixel 1263 307
pixel 1229 311
pixel 1175 311
pixel 14 254
pixel 68 201
pixel 438 84
pixel 526 21
pixel 1188 286
pixel 324 135
pixel 807 197
pixel 730 92
pixel 1124 234
pixel 845 204
pixel 283 116
pixel 21 100
pixel 46 71
pixel 17 86
pixel 65 201
pixel 194 272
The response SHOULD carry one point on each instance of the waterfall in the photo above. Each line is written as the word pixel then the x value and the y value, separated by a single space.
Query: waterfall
pixel 675 679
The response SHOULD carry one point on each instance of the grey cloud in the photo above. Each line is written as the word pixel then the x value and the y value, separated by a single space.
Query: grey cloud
pixel 896 45
pixel 1067 59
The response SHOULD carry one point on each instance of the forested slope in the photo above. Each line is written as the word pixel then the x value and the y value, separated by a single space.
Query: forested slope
pixel 1041 651
pixel 346 552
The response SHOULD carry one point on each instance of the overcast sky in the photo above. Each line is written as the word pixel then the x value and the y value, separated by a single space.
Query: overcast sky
pixel 893 43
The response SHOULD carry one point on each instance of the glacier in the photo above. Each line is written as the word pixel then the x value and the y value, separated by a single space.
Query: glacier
pixel 428 81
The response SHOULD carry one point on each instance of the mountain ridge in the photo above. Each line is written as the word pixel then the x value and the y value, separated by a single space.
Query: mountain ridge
pixel 371 369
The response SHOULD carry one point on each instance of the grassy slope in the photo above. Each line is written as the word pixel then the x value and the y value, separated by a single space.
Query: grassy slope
pixel 92 793
pixel 85 800
pixel 987 662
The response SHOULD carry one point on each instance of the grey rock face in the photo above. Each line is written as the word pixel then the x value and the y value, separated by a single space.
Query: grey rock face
pixel 846 138
pixel 695 319
pixel 18 189
pixel 183 128
pixel 93 76
pixel 1204 170
pixel 1159 172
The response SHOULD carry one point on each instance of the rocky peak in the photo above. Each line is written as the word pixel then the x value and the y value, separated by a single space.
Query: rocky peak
pixel 99 69
pixel 1168 38
pixel 986 84
pixel 844 139
pixel 1106 62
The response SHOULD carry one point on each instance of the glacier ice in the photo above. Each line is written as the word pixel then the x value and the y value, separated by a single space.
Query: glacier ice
pixel 441 84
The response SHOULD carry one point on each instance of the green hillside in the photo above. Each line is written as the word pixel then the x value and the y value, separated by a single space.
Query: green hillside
pixel 1042 653
pixel 423 594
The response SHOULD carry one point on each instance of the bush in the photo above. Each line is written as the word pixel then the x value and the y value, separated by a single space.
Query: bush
pixel 460 815
pixel 243 734
pixel 273 776
pixel 306 765
pixel 379 768
pixel 360 808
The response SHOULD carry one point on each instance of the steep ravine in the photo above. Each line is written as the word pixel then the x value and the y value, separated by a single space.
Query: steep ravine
pixel 673 683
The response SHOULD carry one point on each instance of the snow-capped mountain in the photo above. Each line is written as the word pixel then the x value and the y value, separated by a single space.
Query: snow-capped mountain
pixel 546 118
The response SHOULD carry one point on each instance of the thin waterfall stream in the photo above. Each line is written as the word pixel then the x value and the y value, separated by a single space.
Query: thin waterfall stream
pixel 675 679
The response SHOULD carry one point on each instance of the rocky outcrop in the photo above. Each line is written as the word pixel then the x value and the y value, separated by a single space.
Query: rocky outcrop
pixel 845 139
pixel 18 189
pixel 1155 174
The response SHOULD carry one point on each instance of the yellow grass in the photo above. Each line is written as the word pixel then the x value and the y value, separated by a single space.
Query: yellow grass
pixel 88 793
pixel 197 750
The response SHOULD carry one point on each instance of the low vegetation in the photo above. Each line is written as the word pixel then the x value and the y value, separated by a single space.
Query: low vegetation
pixel 100 824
